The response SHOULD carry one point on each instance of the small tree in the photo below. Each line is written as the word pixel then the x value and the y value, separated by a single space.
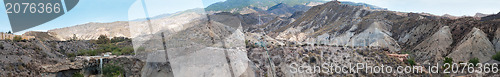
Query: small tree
pixel 496 57
pixel 411 61
pixel 9 32
pixel 102 39
pixel 74 37
pixel 474 61
pixel 447 60
pixel 18 38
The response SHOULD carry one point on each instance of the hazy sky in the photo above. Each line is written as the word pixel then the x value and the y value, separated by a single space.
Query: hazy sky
pixel 438 7
pixel 118 10
pixel 106 11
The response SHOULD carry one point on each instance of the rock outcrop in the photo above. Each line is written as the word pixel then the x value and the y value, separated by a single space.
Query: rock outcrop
pixel 474 45
pixel 434 48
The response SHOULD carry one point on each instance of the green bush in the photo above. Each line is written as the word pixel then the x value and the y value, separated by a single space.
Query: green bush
pixel 112 70
pixel 116 52
pixel 411 62
pixel 102 39
pixel 103 48
pixel 447 60
pixel 474 61
pixel 496 57
pixel 18 38
pixel 71 55
pixel 127 50
pixel 108 47
pixel 77 74
pixel 119 39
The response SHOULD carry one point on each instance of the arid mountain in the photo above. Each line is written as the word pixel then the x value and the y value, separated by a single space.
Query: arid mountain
pixel 92 31
pixel 479 15
pixel 329 24
pixel 420 34
pixel 119 29
pixel 264 40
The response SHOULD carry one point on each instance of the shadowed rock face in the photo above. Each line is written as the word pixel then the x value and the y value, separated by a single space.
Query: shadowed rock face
pixel 491 17
pixel 285 10
pixel 474 45
pixel 435 47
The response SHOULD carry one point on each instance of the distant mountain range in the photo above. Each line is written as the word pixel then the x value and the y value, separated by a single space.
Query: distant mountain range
pixel 363 4
pixel 240 4
pixel 231 5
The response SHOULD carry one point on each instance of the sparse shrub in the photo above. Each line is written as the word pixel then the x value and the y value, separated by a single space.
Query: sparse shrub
pixel 18 38
pixel 71 54
pixel 411 62
pixel 474 61
pixel 116 52
pixel 496 57
pixel 77 74
pixel 127 50
pixel 108 48
pixel 118 39
pixel 447 60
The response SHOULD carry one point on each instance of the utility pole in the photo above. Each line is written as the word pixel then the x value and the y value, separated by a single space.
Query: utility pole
pixel 153 38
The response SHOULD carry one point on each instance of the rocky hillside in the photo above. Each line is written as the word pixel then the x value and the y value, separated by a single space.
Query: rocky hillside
pixel 491 17
pixel 32 58
pixel 92 31
pixel 28 58
pixel 263 41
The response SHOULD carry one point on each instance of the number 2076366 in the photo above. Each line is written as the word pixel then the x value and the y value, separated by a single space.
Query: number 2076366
pixel 33 8
pixel 470 68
